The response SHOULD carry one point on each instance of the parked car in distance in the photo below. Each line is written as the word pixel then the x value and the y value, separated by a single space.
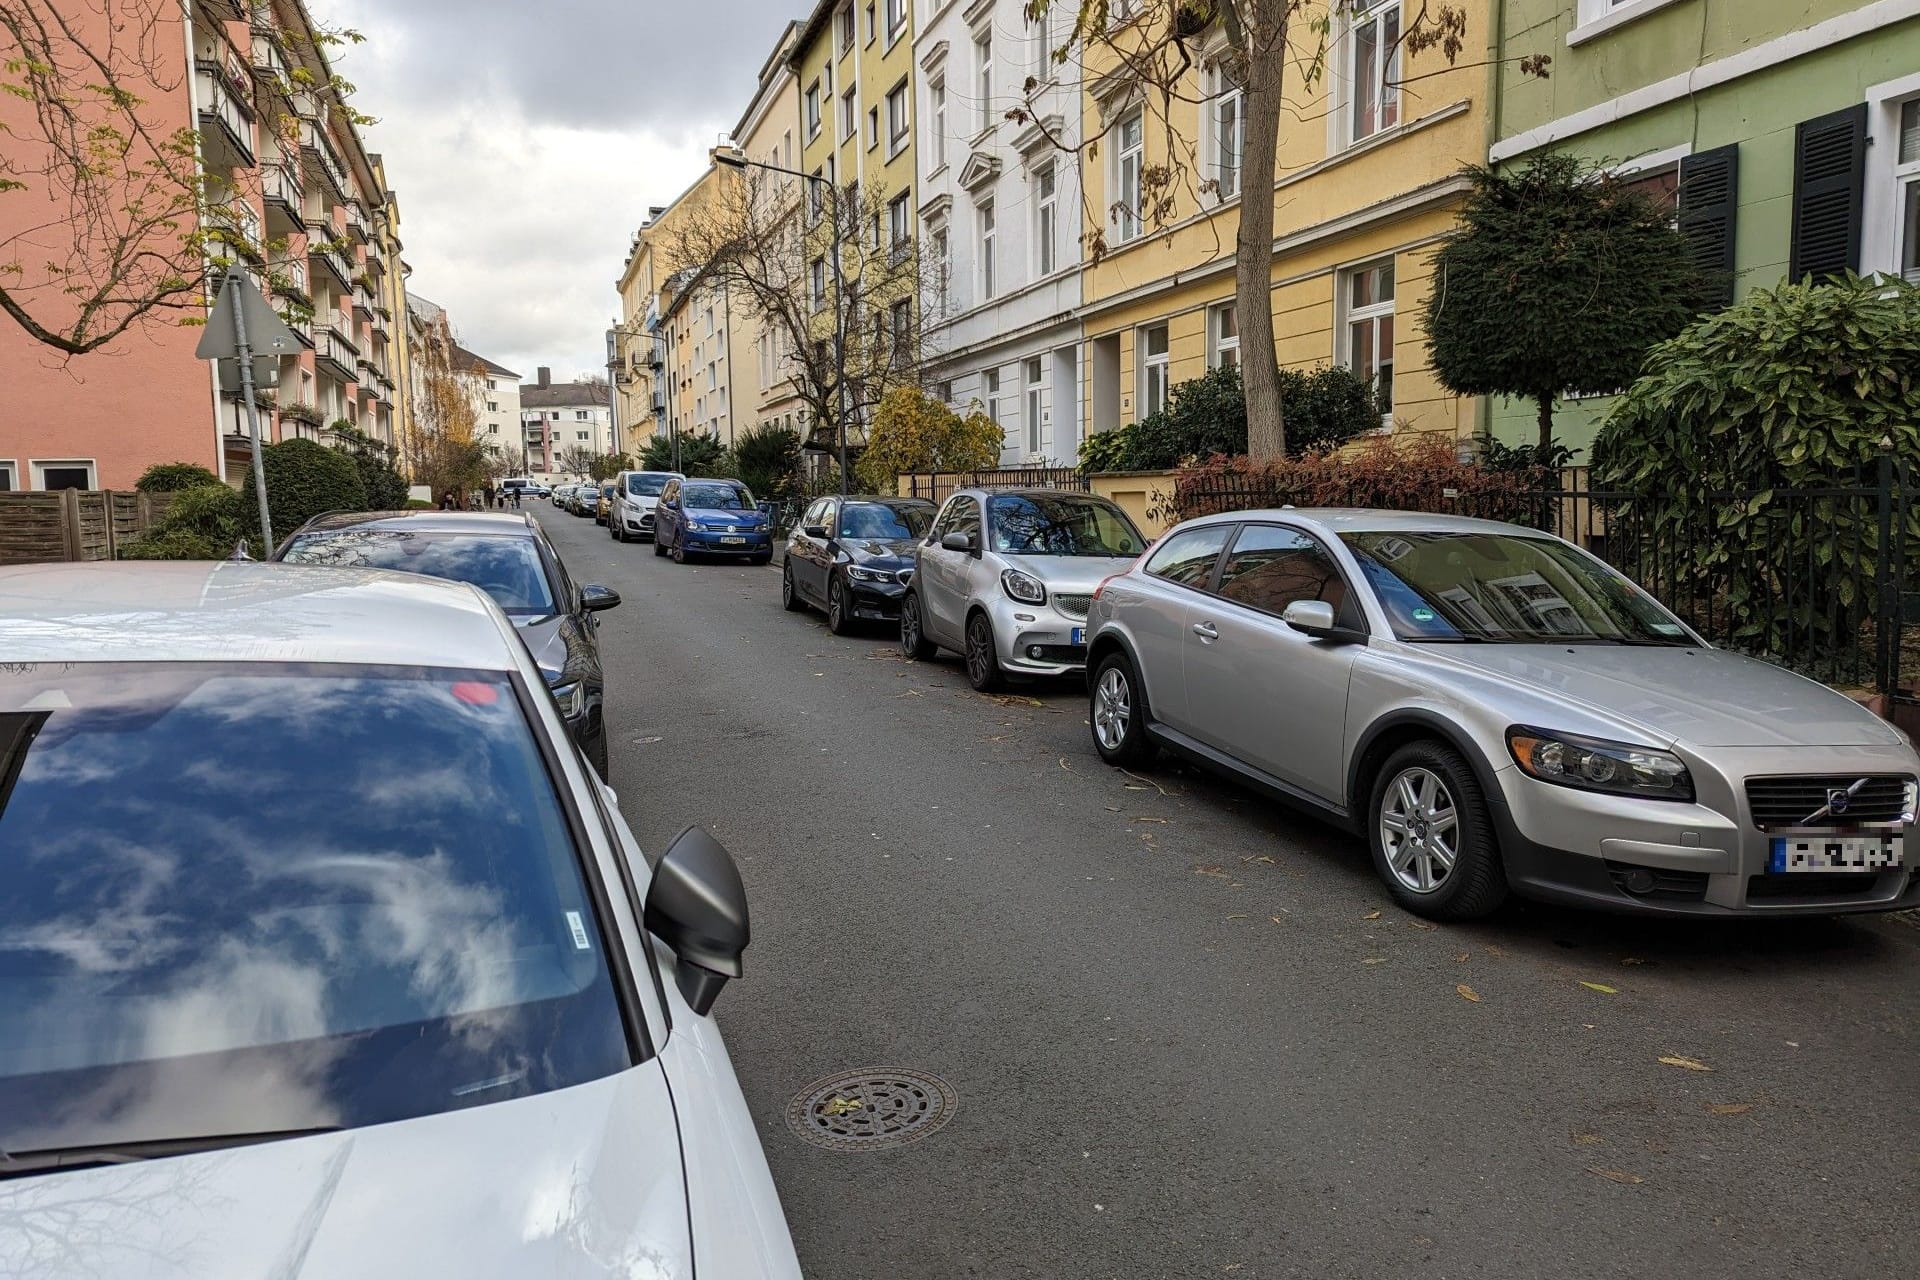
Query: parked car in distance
pixel 853 558
pixel 1004 579
pixel 635 495
pixel 585 497
pixel 1495 709
pixel 505 555
pixel 603 502
pixel 391 981
pixel 712 518
pixel 559 495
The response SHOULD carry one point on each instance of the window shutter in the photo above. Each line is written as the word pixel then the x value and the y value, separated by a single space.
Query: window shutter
pixel 1829 172
pixel 1709 199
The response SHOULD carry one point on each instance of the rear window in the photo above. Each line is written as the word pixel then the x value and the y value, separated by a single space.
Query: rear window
pixel 507 568
pixel 282 898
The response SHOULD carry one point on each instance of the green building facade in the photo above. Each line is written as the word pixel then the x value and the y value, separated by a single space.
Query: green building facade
pixel 1788 130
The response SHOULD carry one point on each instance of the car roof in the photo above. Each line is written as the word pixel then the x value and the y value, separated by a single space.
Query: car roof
pixel 1335 521
pixel 877 497
pixel 642 471
pixel 241 611
pixel 505 524
pixel 1030 493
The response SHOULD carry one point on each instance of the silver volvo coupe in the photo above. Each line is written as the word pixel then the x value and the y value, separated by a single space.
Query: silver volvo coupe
pixel 1496 709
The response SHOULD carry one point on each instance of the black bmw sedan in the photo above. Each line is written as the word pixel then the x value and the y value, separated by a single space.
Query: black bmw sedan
pixel 853 557
pixel 505 555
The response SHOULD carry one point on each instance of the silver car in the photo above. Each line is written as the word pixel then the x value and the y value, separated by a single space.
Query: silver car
pixel 1005 578
pixel 1496 709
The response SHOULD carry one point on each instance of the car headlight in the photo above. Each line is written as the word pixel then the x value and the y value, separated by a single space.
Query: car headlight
pixel 571 698
pixel 1023 587
pixel 859 574
pixel 694 526
pixel 1589 764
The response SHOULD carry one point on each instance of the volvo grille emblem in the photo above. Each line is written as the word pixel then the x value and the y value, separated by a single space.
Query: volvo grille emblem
pixel 1839 800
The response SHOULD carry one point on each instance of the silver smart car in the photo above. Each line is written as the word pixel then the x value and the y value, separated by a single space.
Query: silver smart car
pixel 1496 709
pixel 1004 578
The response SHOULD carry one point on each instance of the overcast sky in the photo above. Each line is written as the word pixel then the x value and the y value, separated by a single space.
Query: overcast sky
pixel 526 140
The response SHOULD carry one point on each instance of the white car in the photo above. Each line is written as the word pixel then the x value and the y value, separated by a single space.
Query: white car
pixel 323 952
pixel 636 494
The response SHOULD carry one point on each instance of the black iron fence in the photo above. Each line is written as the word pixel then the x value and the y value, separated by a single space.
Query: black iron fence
pixel 1825 580
pixel 939 486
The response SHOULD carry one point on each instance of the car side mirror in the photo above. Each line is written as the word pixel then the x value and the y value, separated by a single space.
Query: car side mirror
pixel 1316 618
pixel 596 597
pixel 697 906
pixel 958 541
pixel 815 531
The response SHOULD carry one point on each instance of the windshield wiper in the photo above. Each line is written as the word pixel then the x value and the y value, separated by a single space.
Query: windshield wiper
pixel 21 1164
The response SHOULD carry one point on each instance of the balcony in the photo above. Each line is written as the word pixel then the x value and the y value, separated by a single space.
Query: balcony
pixel 362 301
pixel 236 228
pixel 335 351
pixel 357 223
pixel 285 197
pixel 225 10
pixel 323 161
pixel 325 259
pixel 270 69
pixel 659 404
pixel 305 414
pixel 225 94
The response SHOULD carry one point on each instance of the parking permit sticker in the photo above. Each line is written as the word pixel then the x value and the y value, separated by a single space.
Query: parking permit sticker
pixel 579 929
pixel 1423 615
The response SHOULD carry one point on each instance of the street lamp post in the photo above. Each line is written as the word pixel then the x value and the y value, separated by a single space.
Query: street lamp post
pixel 736 159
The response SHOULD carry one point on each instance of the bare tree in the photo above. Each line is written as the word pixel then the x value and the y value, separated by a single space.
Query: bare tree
pixel 437 443
pixel 766 241
pixel 576 460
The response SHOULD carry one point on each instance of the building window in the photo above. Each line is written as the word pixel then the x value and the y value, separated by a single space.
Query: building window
pixel 983 76
pixel 1373 46
pixel 901 317
pixel 943 392
pixel 942 250
pixel 813 110
pixel 1223 328
pixel 713 376
pixel 1126 186
pixel 493 406
pixel 896 16
pixel 991 381
pixel 1227 118
pixel 849 115
pixel 814 198
pixel 817 284
pixel 1906 177
pixel 1046 221
pixel 493 384
pixel 897 123
pixel 581 415
pixel 937 94
pixel 846 31
pixel 7 482
pixel 53 476
pixel 987 281
pixel 872 26
pixel 1040 48
pixel 1036 403
pixel 899 228
pixel 1154 370
pixel 1367 296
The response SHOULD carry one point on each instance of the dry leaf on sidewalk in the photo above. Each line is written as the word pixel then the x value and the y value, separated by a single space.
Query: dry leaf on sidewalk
pixel 1468 993
pixel 1371 915
pixel 1728 1108
pixel 1689 1064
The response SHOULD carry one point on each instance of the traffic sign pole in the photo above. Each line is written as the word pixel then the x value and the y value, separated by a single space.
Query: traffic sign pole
pixel 244 352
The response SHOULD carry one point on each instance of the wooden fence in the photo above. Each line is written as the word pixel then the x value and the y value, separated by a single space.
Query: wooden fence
pixel 74 524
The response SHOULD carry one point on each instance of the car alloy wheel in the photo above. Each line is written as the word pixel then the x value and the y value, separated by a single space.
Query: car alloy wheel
pixel 1432 835
pixel 789 598
pixel 837 620
pixel 983 661
pixel 659 547
pixel 913 639
pixel 1112 707
pixel 1117 710
pixel 1419 830
pixel 679 551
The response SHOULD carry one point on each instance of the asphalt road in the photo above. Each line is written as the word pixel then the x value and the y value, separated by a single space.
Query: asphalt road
pixel 1189 1032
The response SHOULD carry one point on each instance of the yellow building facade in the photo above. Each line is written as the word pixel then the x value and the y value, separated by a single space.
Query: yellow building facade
pixel 769 133
pixel 1367 184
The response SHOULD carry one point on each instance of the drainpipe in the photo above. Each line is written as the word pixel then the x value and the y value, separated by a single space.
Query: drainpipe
pixel 200 166
pixel 1496 46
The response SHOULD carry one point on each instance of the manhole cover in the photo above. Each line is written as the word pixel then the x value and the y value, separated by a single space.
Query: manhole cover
pixel 862 1110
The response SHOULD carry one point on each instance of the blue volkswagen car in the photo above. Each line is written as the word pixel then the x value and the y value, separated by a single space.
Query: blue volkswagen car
pixel 711 518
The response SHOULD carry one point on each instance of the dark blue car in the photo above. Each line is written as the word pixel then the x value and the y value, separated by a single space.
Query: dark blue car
pixel 711 518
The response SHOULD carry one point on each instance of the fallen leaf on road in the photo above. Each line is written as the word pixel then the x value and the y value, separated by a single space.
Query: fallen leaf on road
pixel 1161 821
pixel 841 1106
pixel 909 693
pixel 1464 956
pixel 1065 765
pixel 1265 858
pixel 1616 1175
pixel 1238 917
pixel 1728 1108
pixel 1374 960
pixel 1631 960
pixel 1601 987
pixel 1588 1139
pixel 1131 787
pixel 1468 993
pixel 1371 915
pixel 1276 919
pixel 1218 873
pixel 1015 700
pixel 1493 949
pixel 1689 1064
pixel 1423 925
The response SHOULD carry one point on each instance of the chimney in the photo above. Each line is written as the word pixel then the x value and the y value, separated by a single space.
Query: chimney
pixel 546 377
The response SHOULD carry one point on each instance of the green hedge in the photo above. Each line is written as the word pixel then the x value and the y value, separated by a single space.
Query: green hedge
pixel 1207 416
pixel 304 479
pixel 174 477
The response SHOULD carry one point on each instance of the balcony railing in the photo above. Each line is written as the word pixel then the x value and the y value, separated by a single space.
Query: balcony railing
pixel 330 260
pixel 357 223
pixel 336 349
pixel 285 195
pixel 323 161
pixel 237 227
pixel 226 115
pixel 362 302
pixel 270 63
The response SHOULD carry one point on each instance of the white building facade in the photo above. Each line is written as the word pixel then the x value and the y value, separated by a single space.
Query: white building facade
pixel 1000 218
pixel 557 417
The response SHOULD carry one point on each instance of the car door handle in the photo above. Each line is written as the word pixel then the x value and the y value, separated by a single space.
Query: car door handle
pixel 1206 631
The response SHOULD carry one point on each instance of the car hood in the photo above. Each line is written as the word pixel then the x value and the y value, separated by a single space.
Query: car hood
pixel 888 553
pixel 723 515
pixel 546 639
pixel 1703 697
pixel 1070 575
pixel 644 501
pixel 584 1182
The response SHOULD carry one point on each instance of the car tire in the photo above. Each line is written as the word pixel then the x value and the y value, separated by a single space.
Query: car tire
pixel 983 658
pixel 1426 808
pixel 790 591
pixel 659 547
pixel 760 559
pixel 679 552
pixel 1117 714
pixel 613 531
pixel 914 645
pixel 839 621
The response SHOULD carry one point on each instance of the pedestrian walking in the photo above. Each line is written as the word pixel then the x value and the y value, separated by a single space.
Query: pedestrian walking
pixel 447 501
pixel 516 499
pixel 486 495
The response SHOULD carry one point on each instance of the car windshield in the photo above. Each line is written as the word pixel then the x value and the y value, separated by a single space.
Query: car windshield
pixel 267 898
pixel 1063 525
pixel 1511 588
pixel 647 486
pixel 885 520
pixel 508 568
pixel 714 497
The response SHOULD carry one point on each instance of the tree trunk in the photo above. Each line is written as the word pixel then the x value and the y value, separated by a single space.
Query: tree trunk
pixel 1544 454
pixel 1262 28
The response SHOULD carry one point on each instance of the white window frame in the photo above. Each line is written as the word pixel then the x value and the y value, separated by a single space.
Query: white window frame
pixel 1884 219
pixel 937 113
pixel 1156 369
pixel 900 330
pixel 37 469
pixel 896 16
pixel 817 284
pixel 899 132
pixel 1376 15
pixel 1036 406
pixel 1127 163
pixel 983 76
pixel 847 27
pixel 1220 346
pixel 1597 17
pixel 811 110
pixel 1039 35
pixel 873 127
pixel 1371 314
pixel 1906 199
pixel 987 226
pixel 990 385
pixel 849 114
pixel 899 225
pixel 1046 220
pixel 10 468
pixel 1225 92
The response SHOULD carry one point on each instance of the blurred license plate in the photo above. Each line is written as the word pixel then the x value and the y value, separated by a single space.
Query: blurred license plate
pixel 732 541
pixel 1079 635
pixel 1868 851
